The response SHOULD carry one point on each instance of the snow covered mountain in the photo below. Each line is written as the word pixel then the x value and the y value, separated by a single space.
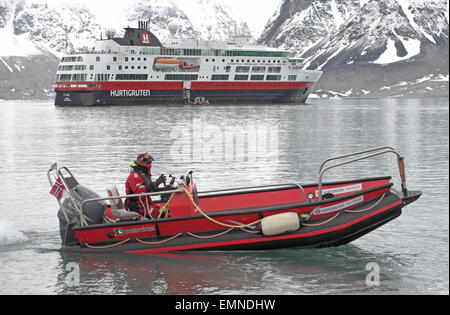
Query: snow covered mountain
pixel 213 19
pixel 368 47
pixel 200 19
pixel 35 34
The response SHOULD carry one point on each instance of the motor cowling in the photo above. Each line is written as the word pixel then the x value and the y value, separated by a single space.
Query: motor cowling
pixel 93 212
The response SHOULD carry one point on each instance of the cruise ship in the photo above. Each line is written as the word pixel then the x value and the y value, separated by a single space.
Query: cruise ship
pixel 139 69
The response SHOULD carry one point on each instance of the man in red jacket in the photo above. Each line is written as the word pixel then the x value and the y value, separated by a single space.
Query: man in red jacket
pixel 140 182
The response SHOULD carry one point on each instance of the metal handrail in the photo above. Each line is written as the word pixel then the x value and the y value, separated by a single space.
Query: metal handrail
pixel 384 150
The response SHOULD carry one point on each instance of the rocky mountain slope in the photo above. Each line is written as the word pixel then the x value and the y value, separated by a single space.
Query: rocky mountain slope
pixel 35 35
pixel 367 48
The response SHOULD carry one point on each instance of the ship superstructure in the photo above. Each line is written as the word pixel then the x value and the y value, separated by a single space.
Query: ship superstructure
pixel 139 69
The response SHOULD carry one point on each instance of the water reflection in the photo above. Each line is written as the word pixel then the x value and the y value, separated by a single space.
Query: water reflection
pixel 261 273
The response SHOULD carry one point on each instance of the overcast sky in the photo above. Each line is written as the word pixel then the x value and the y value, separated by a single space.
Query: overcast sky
pixel 255 12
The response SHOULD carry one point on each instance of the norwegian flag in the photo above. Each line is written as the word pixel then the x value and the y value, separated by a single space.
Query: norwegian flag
pixel 58 189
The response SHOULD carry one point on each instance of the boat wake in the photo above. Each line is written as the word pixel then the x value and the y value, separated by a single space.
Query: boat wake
pixel 10 235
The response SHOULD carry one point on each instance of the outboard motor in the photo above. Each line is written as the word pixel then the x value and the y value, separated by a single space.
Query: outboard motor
pixel 93 212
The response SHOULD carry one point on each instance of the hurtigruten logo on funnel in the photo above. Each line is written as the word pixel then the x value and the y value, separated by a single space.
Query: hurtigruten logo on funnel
pixel 145 38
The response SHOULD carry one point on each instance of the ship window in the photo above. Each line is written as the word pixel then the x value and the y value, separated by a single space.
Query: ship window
pixel 131 77
pixel 273 78
pixel 97 58
pixel 241 77
pixel 126 59
pixel 220 77
pixel 108 67
pixel 292 78
pixel 181 77
pixel 242 69
pixel 259 69
pixel 257 77
pixel 91 67
pixel 120 67
pixel 114 58
pixel 274 69
pixel 79 77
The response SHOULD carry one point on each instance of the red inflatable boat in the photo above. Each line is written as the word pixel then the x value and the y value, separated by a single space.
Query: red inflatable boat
pixel 255 218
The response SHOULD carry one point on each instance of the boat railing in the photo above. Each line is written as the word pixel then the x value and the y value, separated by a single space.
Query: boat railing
pixel 70 182
pixel 161 193
pixel 367 154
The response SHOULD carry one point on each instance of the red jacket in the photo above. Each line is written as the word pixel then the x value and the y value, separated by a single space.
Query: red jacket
pixel 140 183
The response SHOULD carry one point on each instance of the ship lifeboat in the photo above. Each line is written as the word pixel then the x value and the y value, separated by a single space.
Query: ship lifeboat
pixel 253 218
pixel 166 64
pixel 186 66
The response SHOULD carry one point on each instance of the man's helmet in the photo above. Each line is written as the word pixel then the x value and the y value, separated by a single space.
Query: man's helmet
pixel 145 160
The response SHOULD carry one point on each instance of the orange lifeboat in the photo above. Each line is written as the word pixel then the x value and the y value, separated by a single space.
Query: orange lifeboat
pixel 163 63
pixel 185 66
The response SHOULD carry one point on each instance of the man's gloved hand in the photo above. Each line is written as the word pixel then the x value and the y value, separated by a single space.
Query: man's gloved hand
pixel 160 180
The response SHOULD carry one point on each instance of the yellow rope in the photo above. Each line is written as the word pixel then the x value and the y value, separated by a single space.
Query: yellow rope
pixel 166 207
pixel 211 219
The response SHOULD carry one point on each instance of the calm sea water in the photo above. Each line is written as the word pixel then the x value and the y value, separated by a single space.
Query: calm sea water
pixel 98 144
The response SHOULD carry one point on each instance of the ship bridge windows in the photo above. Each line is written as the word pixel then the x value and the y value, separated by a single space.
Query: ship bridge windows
pixel 150 51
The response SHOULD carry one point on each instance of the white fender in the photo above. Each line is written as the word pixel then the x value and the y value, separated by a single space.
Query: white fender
pixel 280 223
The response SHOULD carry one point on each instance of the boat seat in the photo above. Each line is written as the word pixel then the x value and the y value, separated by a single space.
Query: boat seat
pixel 118 208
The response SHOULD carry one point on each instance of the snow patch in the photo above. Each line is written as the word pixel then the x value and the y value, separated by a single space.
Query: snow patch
pixel 412 46
pixel 16 45
pixel 6 65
